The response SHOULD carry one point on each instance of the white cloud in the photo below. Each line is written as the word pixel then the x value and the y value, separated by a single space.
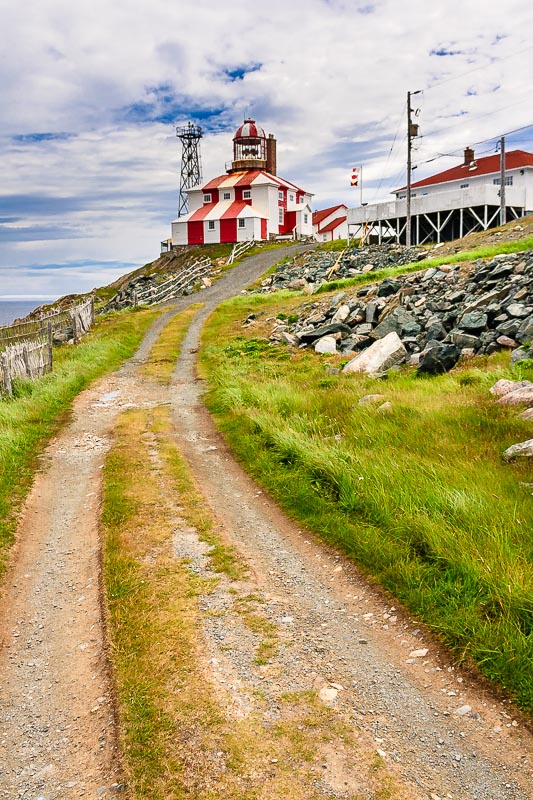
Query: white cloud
pixel 328 78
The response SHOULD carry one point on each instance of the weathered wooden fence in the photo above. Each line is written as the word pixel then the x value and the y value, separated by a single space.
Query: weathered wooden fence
pixel 26 347
pixel 239 249
pixel 174 285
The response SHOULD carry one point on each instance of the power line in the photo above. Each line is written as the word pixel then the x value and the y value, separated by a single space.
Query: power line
pixel 390 153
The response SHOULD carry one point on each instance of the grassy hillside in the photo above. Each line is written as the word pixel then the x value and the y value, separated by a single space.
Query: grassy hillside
pixel 419 495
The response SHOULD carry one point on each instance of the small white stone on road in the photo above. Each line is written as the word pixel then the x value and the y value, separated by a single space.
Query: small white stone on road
pixel 419 653
pixel 328 694
pixel 463 710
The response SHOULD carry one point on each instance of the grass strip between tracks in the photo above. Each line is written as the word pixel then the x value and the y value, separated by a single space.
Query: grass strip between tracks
pixel 419 497
pixel 180 735
pixel 163 356
pixel 38 408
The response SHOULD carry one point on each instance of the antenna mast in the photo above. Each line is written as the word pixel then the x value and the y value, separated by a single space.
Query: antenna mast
pixel 191 165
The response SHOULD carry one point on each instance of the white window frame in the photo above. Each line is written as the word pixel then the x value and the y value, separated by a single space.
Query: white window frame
pixel 280 195
pixel 508 181
pixel 211 224
pixel 306 219
pixel 291 198
pixel 207 198
pixel 281 215
pixel 242 222
pixel 247 194
pixel 226 196
pixel 464 186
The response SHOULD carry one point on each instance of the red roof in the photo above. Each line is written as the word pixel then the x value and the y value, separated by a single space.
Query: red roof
pixel 484 166
pixel 245 178
pixel 250 130
pixel 332 225
pixel 318 216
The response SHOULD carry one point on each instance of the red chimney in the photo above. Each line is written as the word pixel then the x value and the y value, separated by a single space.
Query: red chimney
pixel 271 165
pixel 469 156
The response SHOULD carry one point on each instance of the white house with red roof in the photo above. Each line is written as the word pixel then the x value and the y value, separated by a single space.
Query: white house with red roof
pixel 249 201
pixel 330 223
pixel 452 203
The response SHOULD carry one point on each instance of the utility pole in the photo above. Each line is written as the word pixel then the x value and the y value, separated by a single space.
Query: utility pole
pixel 412 131
pixel 503 214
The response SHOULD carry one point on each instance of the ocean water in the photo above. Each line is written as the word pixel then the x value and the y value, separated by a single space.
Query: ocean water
pixel 13 309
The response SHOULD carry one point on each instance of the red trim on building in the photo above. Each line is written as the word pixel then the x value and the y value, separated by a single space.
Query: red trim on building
pixel 332 225
pixel 487 165
pixel 318 216
pixel 234 210
pixel 195 232
pixel 214 183
pixel 248 177
pixel 202 212
pixel 289 222
pixel 263 229
pixel 228 230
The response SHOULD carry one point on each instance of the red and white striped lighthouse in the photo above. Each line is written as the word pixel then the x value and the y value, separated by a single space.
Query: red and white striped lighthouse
pixel 249 201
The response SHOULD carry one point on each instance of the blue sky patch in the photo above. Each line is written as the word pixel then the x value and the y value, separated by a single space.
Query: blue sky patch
pixel 238 73
pixel 30 138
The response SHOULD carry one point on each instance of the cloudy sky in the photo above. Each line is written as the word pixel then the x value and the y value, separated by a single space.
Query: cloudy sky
pixel 92 91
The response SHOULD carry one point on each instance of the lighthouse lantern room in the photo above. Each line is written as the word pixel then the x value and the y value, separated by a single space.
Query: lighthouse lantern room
pixel 250 201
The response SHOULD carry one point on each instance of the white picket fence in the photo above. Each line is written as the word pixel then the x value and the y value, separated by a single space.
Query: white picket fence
pixel 174 285
pixel 26 348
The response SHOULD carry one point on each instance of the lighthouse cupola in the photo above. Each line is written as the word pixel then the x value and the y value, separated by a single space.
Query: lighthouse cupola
pixel 250 149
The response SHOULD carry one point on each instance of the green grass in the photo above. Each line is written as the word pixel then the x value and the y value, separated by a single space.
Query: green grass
pixel 39 408
pixel 420 498
pixel 162 360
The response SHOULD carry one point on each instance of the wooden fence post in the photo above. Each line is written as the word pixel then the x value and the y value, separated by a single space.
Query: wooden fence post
pixel 7 374
pixel 26 359
pixel 74 328
pixel 50 341
pixel 92 311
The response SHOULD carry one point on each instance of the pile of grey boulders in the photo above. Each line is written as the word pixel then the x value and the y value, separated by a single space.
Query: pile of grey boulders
pixel 427 319
pixel 310 270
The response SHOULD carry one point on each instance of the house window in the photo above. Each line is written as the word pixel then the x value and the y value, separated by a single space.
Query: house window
pixel 280 216
pixel 207 198
pixel 211 224
pixel 280 195
pixel 464 186
pixel 247 194
pixel 306 217
pixel 508 181
pixel 291 198
pixel 227 196
pixel 242 222
pixel 324 237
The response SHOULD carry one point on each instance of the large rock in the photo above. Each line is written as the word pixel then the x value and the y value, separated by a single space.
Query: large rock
pixel 520 397
pixel 327 344
pixel 520 450
pixel 504 386
pixel 439 359
pixel 380 356
pixel 400 321
pixel 324 330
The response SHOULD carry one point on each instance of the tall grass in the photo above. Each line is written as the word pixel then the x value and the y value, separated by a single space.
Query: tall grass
pixel 38 408
pixel 419 497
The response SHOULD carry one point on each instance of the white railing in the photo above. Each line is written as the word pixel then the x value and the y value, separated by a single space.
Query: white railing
pixel 239 248
pixel 486 194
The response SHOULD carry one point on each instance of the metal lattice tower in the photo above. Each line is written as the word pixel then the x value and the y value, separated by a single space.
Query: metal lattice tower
pixel 191 165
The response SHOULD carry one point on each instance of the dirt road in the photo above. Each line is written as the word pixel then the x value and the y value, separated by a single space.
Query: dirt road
pixel 434 728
